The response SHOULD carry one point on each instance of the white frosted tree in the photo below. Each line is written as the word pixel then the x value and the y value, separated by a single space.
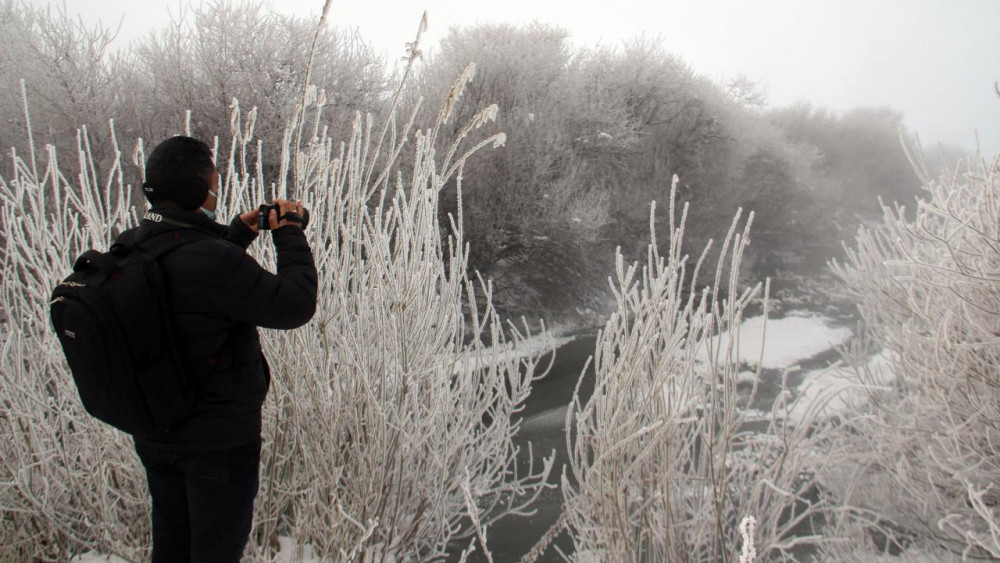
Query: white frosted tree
pixel 73 76
pixel 216 51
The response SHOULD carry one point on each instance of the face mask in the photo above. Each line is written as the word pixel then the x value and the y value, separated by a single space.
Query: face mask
pixel 208 212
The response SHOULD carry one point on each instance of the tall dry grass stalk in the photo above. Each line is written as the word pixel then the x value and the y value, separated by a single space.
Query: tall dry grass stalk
pixel 924 458
pixel 663 466
pixel 66 480
pixel 388 428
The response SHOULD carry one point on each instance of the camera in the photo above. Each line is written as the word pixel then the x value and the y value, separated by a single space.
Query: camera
pixel 265 212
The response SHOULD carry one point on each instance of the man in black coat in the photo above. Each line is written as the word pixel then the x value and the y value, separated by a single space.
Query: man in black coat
pixel 203 473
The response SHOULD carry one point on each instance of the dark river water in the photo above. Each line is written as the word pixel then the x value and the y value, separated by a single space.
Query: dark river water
pixel 544 415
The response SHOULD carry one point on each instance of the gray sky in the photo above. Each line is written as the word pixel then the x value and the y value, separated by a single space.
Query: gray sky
pixel 933 60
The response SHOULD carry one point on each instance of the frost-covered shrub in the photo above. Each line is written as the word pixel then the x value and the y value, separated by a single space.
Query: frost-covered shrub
pixel 66 480
pixel 72 74
pixel 224 49
pixel 925 457
pixel 388 433
pixel 663 467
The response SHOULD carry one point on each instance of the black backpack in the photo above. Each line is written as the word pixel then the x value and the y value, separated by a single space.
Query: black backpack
pixel 112 317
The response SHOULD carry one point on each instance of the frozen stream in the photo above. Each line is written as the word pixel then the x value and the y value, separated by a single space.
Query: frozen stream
pixel 801 343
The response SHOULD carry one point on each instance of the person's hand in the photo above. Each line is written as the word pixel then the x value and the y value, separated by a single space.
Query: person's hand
pixel 251 219
pixel 285 207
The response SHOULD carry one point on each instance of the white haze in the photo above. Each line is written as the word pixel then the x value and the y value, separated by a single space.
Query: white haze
pixel 935 61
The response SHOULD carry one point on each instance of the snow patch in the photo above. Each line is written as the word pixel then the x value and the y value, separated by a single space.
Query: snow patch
pixel 508 351
pixel 798 336
pixel 746 377
pixel 549 419
pixel 837 389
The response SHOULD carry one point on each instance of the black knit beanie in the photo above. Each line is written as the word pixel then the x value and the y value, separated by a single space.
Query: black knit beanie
pixel 178 170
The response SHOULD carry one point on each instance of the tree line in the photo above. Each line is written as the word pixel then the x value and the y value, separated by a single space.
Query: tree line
pixel 593 135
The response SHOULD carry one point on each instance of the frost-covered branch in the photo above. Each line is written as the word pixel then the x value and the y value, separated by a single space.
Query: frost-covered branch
pixel 662 465
pixel 927 456
pixel 388 429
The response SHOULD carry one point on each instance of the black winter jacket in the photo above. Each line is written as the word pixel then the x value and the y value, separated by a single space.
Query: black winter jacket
pixel 219 295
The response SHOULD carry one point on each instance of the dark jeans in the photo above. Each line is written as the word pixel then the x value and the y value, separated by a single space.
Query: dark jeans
pixel 202 502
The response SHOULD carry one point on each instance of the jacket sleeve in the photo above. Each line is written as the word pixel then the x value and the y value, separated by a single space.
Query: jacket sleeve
pixel 239 233
pixel 284 300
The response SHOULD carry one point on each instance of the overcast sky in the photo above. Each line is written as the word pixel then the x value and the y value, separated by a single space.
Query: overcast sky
pixel 935 61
